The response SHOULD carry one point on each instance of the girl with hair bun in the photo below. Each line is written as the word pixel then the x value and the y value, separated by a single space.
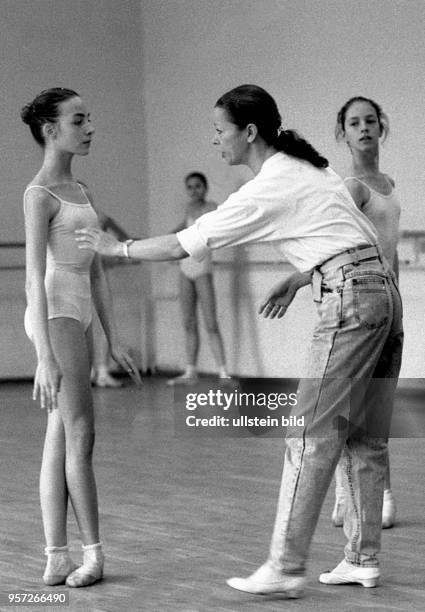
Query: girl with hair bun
pixel 61 282
pixel 297 202
pixel 362 125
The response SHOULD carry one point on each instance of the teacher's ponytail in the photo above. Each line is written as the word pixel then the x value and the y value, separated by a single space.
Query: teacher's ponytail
pixel 291 143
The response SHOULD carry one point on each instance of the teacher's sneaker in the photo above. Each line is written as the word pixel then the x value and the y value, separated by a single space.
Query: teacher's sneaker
pixel 268 581
pixel 347 573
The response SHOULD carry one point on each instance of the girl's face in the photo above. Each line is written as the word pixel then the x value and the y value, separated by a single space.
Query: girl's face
pixel 73 129
pixel 195 189
pixel 361 127
pixel 230 140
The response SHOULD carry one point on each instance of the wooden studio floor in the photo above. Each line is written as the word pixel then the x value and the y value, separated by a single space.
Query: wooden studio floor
pixel 179 514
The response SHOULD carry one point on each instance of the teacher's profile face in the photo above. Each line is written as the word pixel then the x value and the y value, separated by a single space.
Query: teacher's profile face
pixel 229 138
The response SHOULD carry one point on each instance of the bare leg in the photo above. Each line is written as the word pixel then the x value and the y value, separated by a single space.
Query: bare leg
pixel 76 409
pixel 53 489
pixel 101 357
pixel 388 507
pixel 339 508
pixel 205 288
pixel 188 300
pixel 387 485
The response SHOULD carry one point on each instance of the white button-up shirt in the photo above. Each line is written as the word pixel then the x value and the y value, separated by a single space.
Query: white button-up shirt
pixel 306 212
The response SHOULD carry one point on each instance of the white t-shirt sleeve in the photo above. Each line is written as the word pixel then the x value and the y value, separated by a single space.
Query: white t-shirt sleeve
pixel 241 219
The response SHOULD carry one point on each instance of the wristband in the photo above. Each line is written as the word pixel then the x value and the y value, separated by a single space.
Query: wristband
pixel 125 247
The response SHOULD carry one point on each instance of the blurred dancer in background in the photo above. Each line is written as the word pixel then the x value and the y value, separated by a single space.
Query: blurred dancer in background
pixel 196 285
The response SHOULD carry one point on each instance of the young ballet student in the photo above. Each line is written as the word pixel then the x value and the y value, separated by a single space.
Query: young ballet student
pixel 196 285
pixel 362 125
pixel 297 202
pixel 61 282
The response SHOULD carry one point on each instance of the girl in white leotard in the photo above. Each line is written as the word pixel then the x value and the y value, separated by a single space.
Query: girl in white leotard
pixel 61 282
pixel 196 284
pixel 67 277
pixel 361 123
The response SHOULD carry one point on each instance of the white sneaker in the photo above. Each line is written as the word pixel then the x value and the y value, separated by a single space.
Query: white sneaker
pixel 347 573
pixel 267 581
pixel 388 510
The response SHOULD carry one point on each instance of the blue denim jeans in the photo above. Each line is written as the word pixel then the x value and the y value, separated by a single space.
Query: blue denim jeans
pixel 346 401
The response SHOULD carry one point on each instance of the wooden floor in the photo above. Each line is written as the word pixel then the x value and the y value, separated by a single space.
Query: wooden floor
pixel 181 514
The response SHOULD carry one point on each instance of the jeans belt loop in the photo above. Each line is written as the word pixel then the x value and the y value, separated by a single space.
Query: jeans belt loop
pixel 356 259
pixel 317 285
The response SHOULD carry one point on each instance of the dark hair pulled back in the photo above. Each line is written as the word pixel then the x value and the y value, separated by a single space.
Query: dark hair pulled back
pixel 198 175
pixel 44 109
pixel 252 104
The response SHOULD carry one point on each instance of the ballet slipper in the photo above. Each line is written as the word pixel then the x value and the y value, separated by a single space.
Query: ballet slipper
pixel 59 565
pixel 188 378
pixel 92 569
pixel 106 380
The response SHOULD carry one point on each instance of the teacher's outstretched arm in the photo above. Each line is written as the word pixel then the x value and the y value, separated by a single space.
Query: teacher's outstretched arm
pixel 160 248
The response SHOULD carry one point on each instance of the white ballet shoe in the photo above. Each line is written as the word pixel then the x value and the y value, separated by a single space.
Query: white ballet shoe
pixel 347 573
pixel 106 380
pixel 92 569
pixel 268 581
pixel 59 565
pixel 183 379
pixel 388 510
pixel 226 379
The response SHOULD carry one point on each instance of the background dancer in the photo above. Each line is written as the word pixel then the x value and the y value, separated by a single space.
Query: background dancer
pixel 196 284
pixel 361 123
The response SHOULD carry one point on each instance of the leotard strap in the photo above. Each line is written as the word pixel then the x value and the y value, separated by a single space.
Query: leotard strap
pixel 55 195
